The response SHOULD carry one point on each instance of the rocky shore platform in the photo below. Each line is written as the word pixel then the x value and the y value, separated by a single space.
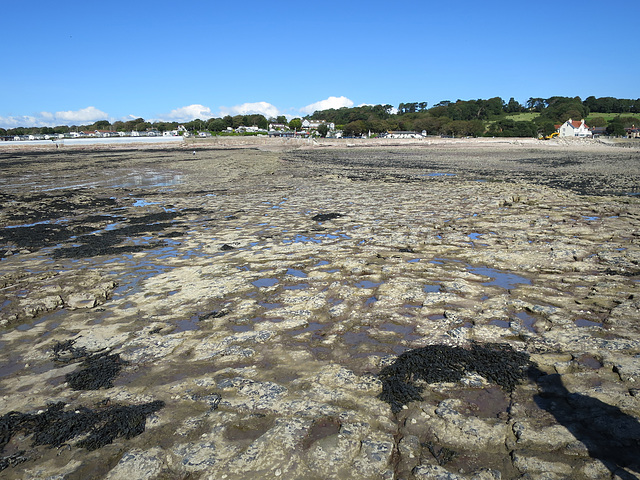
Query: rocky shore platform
pixel 459 310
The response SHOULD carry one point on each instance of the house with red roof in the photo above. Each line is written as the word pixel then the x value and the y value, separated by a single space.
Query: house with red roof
pixel 574 128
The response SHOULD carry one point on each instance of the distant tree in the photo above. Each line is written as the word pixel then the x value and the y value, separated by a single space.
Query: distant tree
pixel 432 125
pixel 239 120
pixel 295 124
pixel 535 104
pixel 412 107
pixel 463 128
pixel 513 106
pixel 560 109
pixel 597 122
pixel 544 125
pixel 130 125
pixel 323 129
pixel 281 119
pixel 102 125
pixel 508 127
pixel 3 132
pixel 616 127
pixel 195 125
pixel 354 129
pixel 260 121
pixel 216 125
pixel 141 127
pixel 228 121
pixel 494 106
pixel 630 121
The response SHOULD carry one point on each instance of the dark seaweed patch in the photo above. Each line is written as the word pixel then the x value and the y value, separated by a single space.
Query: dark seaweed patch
pixel 98 368
pixel 498 363
pixel 56 426
pixel 13 460
pixel 106 243
pixel 214 314
pixel 323 217
pixel 443 455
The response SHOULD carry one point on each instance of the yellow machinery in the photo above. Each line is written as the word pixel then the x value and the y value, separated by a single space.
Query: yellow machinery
pixel 549 137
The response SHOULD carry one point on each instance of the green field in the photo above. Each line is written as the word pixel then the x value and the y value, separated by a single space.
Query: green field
pixel 611 116
pixel 524 116
pixel 528 116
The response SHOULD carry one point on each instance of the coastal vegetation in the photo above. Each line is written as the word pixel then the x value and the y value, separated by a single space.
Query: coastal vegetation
pixel 490 117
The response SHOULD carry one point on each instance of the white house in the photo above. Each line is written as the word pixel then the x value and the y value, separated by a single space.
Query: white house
pixel 573 128
pixel 314 124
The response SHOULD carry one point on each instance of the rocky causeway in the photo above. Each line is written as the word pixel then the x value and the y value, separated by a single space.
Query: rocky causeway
pixel 268 308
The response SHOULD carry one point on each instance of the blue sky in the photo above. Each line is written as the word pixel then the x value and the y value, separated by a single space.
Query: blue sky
pixel 77 62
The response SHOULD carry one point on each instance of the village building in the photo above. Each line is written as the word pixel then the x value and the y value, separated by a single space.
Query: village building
pixel 402 134
pixel 314 124
pixel 574 128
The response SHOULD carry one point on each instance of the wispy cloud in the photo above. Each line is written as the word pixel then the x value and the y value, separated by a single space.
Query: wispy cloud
pixel 331 102
pixel 48 119
pixel 84 115
pixel 188 113
pixel 257 108
pixel 20 121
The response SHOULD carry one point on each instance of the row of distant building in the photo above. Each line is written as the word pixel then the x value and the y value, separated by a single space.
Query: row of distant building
pixel 275 129
pixel 571 128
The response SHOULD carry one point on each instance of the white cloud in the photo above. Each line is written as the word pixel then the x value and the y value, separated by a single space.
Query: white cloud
pixel 84 115
pixel 257 108
pixel 21 121
pixel 188 113
pixel 331 102
pixel 48 119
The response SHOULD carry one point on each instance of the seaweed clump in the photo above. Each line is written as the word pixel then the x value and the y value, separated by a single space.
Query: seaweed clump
pixel 55 426
pixel 498 363
pixel 99 369
pixel 323 217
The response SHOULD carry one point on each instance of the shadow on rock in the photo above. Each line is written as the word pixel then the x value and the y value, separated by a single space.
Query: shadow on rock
pixel 610 435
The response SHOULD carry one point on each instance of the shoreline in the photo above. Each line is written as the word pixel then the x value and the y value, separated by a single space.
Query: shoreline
pixel 277 144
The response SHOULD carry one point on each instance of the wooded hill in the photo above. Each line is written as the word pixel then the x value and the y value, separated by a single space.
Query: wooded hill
pixel 492 117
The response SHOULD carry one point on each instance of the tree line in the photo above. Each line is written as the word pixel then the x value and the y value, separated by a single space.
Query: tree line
pixel 491 117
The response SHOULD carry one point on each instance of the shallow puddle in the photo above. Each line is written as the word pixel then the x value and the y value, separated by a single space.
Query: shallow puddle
pixel 322 428
pixel 296 273
pixel 583 322
pixel 368 284
pixel 488 402
pixel 500 278
pixel 527 320
pixel 500 323
pixel 146 179
pixel 265 282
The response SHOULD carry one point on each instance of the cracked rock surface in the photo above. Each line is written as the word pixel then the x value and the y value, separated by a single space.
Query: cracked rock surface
pixel 258 289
